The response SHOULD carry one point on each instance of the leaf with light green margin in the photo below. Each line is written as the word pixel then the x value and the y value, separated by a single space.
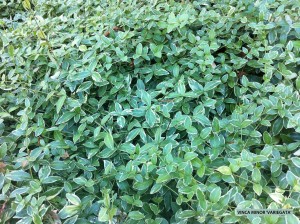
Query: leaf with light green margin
pixel 96 76
pixel 106 153
pixel 132 134
pixel 215 125
pixel 11 50
pixel 205 132
pixel 256 175
pixel 109 140
pixel 215 195
pixel 211 85
pixel 60 103
pixel 296 161
pixel 79 76
pixel 277 126
pixel 146 98
pixel 141 186
pixel 155 188
pixel 291 178
pixel 3 150
pixel 18 175
pixel 65 117
pixel 37 219
pixel 150 117
pixel 296 25
pixel 224 170
pixel 82 48
pixel 156 50
pixel 102 215
pixel 201 199
pixel 257 189
pixel 298 83
pixel 291 218
pixel 73 199
pixel 163 178
pixel 267 138
pixel 2 179
pixel 139 49
pixel 84 86
pixel 69 211
pixel 52 193
pixel 187 214
pixel 136 215
pixel 277 197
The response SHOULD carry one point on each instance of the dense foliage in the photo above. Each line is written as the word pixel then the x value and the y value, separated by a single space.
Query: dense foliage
pixel 149 111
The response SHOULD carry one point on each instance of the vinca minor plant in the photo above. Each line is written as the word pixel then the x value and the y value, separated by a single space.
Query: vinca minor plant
pixel 149 112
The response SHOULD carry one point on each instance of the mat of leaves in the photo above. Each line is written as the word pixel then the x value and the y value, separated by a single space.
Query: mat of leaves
pixel 149 111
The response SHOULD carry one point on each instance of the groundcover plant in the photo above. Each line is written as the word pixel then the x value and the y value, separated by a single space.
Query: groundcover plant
pixel 149 111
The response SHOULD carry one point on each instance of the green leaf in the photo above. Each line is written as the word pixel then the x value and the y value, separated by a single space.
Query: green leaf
pixel 211 85
pixel 53 192
pixel 155 188
pixel 109 140
pixel 205 132
pixel 68 211
pixel 96 77
pixel 156 50
pixel 150 117
pixel 194 85
pixel 132 134
pixel 292 219
pixel 201 199
pixel 11 50
pixel 60 103
pixel 3 150
pixel 107 152
pixel 277 197
pixel 246 123
pixel 255 134
pixel 84 86
pixel 277 126
pixel 224 170
pixel 80 76
pixel 215 195
pixel 163 178
pixel 187 214
pixel 296 161
pixel 291 178
pixel 65 117
pixel 139 49
pixel 37 219
pixel 73 199
pixel 296 25
pixel 202 119
pixel 146 98
pixel 298 83
pixel 145 184
pixel 82 48
pixel 243 179
pixel 18 175
pixel 59 165
pixel 256 176
pixel 267 138
pixel 257 189
pixel 215 125
pixel 80 180
pixel 181 87
pixel 121 121
pixel 102 215
pixel 136 215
